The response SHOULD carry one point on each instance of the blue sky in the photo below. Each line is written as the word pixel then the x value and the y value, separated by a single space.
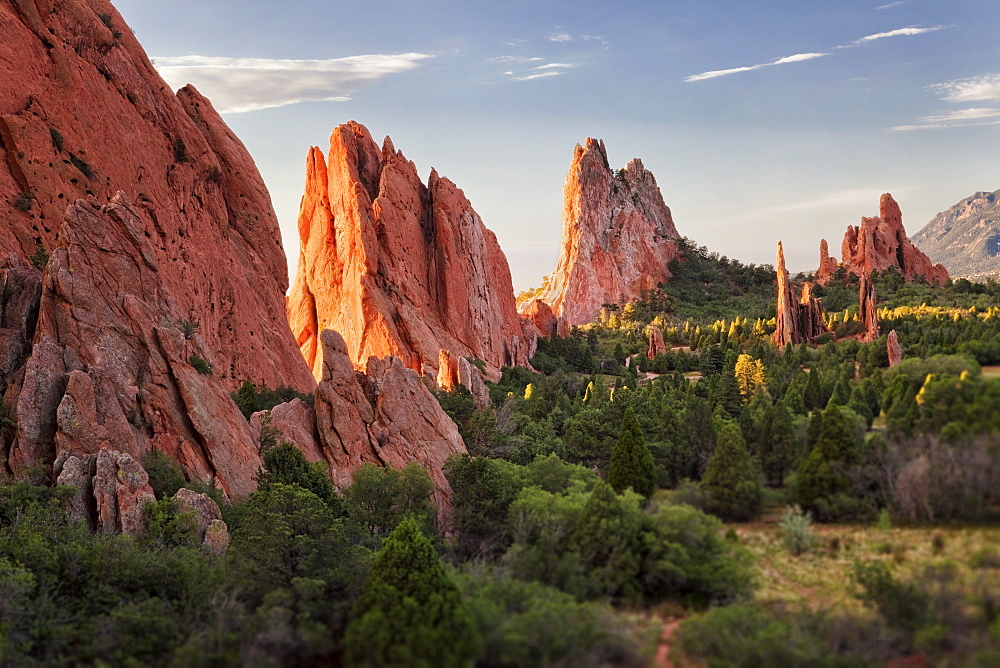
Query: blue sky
pixel 761 120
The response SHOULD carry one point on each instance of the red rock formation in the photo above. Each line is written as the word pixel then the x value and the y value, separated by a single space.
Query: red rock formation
pixel 191 239
pixel 618 236
pixel 879 244
pixel 656 344
pixel 398 268
pixel 383 416
pixel 796 321
pixel 112 490
pixel 893 349
pixel 545 322
pixel 868 309
pixel 447 375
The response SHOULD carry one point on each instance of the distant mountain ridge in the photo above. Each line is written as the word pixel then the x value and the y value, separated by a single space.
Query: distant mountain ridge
pixel 966 237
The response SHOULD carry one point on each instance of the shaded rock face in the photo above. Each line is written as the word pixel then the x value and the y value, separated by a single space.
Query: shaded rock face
pixel 545 322
pixel 618 236
pixel 893 349
pixel 878 244
pixel 158 226
pixel 868 309
pixel 399 268
pixel 385 415
pixel 796 321
pixel 112 490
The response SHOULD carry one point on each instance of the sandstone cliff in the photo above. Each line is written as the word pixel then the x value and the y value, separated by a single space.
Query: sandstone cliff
pixel 399 268
pixel 618 236
pixel 878 244
pixel 155 242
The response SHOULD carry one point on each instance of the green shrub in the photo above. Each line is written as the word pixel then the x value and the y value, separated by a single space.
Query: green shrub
pixel 40 258
pixel 200 364
pixel 57 138
pixel 529 624
pixel 411 612
pixel 285 464
pixel 796 536
pixel 84 168
pixel 180 150
pixel 24 201
pixel 165 476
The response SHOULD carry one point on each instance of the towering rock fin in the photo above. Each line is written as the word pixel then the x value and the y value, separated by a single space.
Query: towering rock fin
pixel 618 236
pixel 398 267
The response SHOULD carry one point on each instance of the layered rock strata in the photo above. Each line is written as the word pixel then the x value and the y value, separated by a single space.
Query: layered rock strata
pixel 878 244
pixel 399 268
pixel 618 236
pixel 796 321
pixel 155 250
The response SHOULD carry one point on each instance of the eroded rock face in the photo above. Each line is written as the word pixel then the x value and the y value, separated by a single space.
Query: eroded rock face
pixel 112 490
pixel 383 416
pixel 656 344
pixel 868 309
pixel 878 244
pixel 618 236
pixel 893 349
pixel 544 321
pixel 796 321
pixel 158 227
pixel 398 268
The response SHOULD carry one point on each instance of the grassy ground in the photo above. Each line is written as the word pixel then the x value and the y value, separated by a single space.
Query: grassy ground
pixel 822 578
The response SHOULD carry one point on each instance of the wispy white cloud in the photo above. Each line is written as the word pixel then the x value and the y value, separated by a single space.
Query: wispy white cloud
pixel 559 37
pixel 553 66
pixel 247 84
pixel 891 5
pixel 901 32
pixel 961 118
pixel 974 89
pixel 799 57
pixel 796 58
pixel 540 75
pixel 513 59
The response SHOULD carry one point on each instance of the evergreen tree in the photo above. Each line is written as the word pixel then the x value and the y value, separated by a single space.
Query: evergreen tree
pixel 777 448
pixel 411 612
pixel 286 465
pixel 793 401
pixel 731 479
pixel 631 463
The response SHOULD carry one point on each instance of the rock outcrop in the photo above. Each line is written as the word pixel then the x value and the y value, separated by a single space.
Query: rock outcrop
pixel 878 244
pixel 656 344
pixel 868 309
pixel 545 322
pixel 112 490
pixel 155 248
pixel 796 321
pixel 618 236
pixel 893 349
pixel 385 415
pixel 398 268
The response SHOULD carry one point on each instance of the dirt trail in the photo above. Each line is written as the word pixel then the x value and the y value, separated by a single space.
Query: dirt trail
pixel 663 649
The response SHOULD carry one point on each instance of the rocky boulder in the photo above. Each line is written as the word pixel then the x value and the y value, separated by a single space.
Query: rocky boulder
pixel 893 349
pixel 656 344
pixel 385 415
pixel 112 490
pixel 878 244
pixel 618 236
pixel 399 268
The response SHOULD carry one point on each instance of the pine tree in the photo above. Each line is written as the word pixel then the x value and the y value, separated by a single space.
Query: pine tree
pixel 731 479
pixel 631 463
pixel 411 612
